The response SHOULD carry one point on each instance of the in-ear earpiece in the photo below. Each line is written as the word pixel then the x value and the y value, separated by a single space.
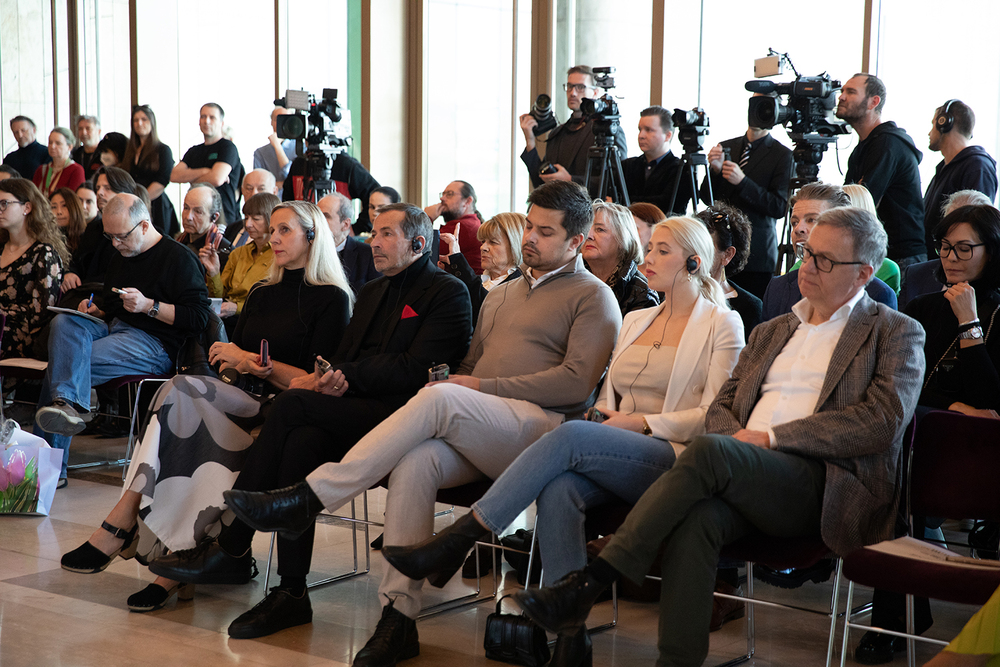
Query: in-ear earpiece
pixel 310 235
pixel 417 245
pixel 692 264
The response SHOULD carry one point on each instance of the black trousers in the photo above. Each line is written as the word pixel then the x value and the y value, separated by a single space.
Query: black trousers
pixel 304 430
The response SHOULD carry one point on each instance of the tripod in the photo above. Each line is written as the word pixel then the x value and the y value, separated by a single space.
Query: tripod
pixel 807 155
pixel 604 176
pixel 689 169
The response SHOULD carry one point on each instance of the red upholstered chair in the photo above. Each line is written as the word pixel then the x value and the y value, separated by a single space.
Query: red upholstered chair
pixel 953 471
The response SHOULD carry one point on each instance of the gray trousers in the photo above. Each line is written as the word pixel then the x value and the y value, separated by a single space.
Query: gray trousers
pixel 719 490
pixel 445 436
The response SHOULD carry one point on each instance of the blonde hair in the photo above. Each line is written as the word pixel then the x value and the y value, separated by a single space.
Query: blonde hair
pixel 623 229
pixel 507 227
pixel 323 265
pixel 694 239
pixel 861 198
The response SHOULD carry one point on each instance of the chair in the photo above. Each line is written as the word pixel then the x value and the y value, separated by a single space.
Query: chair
pixel 954 465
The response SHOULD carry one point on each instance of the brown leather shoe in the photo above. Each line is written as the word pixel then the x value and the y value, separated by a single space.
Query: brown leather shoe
pixel 724 609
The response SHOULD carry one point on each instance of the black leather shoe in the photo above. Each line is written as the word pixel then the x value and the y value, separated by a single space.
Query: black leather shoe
pixel 438 558
pixel 207 563
pixel 878 649
pixel 88 559
pixel 795 577
pixel 279 610
pixel 573 650
pixel 395 639
pixel 563 607
pixel 289 511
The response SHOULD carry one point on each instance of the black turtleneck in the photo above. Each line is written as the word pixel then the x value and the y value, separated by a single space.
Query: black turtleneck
pixel 387 307
pixel 298 320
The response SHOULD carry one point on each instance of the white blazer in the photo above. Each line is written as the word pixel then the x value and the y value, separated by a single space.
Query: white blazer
pixel 706 356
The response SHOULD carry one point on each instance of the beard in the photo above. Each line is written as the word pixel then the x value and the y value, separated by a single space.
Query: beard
pixel 448 215
pixel 852 113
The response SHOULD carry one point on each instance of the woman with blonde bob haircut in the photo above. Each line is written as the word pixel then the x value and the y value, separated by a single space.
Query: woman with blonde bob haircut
pixel 613 253
pixel 668 365
pixel 300 312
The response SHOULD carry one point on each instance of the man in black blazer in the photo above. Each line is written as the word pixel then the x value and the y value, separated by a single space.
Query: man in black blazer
pixel 405 322
pixel 759 188
pixel 650 177
pixel 356 257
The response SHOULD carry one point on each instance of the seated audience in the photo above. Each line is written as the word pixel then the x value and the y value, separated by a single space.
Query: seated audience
pixel 150 162
pixel 88 133
pixel 31 264
pixel 457 208
pixel 646 217
pixel 201 219
pixel 731 230
pixel 257 181
pixel 6 171
pixel 359 266
pixel 860 197
pixel 807 205
pixel 247 265
pixel 160 301
pixel 69 217
pixel 87 194
pixel 499 253
pixel 379 198
pixel 376 369
pixel 29 154
pixel 301 310
pixel 666 369
pixel 61 171
pixel 111 150
pixel 613 254
pixel 801 444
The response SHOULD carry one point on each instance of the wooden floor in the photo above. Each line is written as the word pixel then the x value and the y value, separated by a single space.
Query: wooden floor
pixel 52 617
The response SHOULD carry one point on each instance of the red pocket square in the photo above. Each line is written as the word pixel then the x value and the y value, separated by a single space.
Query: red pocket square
pixel 408 313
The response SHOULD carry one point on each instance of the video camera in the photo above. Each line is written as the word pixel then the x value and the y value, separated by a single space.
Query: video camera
pixel 604 109
pixel 811 102
pixel 692 128
pixel 314 122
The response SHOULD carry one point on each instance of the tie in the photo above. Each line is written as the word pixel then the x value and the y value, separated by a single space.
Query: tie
pixel 746 156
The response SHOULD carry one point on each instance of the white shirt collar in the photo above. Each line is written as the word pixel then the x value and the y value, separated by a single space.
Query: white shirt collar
pixel 804 310
pixel 535 282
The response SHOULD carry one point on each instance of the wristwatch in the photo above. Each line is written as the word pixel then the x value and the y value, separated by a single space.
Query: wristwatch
pixel 645 427
pixel 154 310
pixel 975 333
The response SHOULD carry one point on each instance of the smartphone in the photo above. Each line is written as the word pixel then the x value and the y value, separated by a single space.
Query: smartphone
pixel 595 415
pixel 438 373
pixel 265 359
pixel 547 168
pixel 118 291
pixel 322 367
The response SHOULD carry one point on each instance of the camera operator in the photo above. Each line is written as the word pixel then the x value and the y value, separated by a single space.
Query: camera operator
pixel 351 178
pixel 885 161
pixel 567 145
pixel 755 181
pixel 650 177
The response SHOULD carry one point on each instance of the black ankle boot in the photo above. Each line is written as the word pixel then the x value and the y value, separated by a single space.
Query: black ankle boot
pixel 573 650
pixel 438 558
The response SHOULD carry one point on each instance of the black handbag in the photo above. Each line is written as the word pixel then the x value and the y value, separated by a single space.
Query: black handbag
pixel 515 639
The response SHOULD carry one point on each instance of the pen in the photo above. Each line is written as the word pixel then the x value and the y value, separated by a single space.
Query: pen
pixel 90 301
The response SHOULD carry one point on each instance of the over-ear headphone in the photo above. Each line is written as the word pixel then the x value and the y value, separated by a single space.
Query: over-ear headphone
pixel 310 235
pixel 945 120
pixel 692 264
pixel 417 245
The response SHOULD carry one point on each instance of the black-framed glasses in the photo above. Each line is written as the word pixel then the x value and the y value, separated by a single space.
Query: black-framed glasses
pixel 4 203
pixel 963 250
pixel 121 237
pixel 822 262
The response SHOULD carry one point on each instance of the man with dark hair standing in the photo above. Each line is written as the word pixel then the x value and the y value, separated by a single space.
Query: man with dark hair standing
pixel 548 339
pixel 461 221
pixel 885 161
pixel 650 177
pixel 30 154
pixel 964 167
pixel 215 161
pixel 567 145
pixel 412 318
pixel 814 413
pixel 753 179
pixel 88 133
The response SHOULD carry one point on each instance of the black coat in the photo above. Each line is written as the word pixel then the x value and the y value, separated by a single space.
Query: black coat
pixel 660 185
pixel 359 266
pixel 632 291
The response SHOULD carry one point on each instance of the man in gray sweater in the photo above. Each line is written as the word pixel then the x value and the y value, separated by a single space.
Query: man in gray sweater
pixel 541 345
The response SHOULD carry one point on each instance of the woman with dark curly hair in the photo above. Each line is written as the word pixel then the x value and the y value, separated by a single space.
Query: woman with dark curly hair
pixel 730 231
pixel 70 218
pixel 32 251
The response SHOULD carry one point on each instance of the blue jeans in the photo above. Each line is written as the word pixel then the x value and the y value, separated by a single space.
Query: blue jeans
pixel 577 466
pixel 85 354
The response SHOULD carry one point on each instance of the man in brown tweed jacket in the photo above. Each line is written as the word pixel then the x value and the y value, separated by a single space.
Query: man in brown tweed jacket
pixel 807 438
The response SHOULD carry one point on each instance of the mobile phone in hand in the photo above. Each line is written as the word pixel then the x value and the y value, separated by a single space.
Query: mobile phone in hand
pixel 265 359
pixel 322 367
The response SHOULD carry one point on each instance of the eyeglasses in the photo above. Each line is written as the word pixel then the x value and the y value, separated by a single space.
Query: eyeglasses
pixel 963 251
pixel 449 194
pixel 578 87
pixel 822 262
pixel 121 237
pixel 4 203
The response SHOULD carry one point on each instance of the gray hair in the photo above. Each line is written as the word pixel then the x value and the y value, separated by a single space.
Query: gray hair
pixel 415 223
pixel 623 229
pixel 216 202
pixel 962 198
pixel 867 234
pixel 137 212
pixel 345 207
pixel 70 139
pixel 93 119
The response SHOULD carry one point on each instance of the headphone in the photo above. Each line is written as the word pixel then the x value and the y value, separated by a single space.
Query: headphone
pixel 692 264
pixel 215 216
pixel 945 121
pixel 310 235
pixel 416 245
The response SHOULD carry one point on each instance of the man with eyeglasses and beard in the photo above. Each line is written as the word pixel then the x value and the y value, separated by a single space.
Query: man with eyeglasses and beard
pixel 461 222
pixel 154 298
pixel 567 145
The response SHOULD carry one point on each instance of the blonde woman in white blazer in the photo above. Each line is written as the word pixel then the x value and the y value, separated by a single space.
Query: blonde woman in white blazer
pixel 654 399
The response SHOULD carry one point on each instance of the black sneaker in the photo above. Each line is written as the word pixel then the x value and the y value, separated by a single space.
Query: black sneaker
pixel 395 639
pixel 279 610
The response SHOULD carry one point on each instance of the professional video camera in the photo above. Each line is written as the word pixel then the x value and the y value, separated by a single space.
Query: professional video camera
pixel 315 123
pixel 603 161
pixel 692 128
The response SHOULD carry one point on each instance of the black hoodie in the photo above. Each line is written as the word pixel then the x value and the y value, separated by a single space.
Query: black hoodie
pixel 886 163
pixel 971 169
